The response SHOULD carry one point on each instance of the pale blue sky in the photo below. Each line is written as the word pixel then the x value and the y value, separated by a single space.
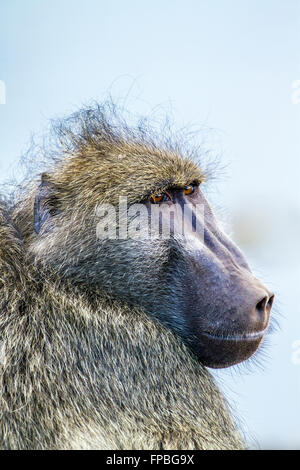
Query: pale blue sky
pixel 225 64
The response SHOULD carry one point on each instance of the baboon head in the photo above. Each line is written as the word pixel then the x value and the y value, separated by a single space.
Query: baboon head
pixel 195 281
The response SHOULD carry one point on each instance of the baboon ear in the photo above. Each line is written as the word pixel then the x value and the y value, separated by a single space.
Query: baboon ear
pixel 44 203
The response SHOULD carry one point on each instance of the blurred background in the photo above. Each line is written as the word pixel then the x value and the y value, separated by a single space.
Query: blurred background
pixel 230 66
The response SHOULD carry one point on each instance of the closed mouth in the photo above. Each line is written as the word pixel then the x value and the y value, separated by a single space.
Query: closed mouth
pixel 236 337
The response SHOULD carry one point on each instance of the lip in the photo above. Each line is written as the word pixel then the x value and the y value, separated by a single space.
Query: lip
pixel 252 336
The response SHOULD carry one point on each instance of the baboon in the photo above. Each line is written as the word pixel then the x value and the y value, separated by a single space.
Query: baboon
pixel 105 342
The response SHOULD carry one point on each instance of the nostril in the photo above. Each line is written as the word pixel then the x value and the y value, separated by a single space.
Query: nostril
pixel 270 303
pixel 265 305
pixel 261 305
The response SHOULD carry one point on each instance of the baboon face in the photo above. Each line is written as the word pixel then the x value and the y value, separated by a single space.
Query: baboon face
pixel 196 281
pixel 192 279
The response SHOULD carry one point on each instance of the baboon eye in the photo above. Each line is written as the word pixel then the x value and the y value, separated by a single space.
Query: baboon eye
pixel 157 198
pixel 189 189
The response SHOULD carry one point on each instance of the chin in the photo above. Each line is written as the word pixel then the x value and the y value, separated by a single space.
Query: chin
pixel 224 351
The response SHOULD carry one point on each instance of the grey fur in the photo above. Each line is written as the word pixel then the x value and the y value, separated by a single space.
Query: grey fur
pixel 83 366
